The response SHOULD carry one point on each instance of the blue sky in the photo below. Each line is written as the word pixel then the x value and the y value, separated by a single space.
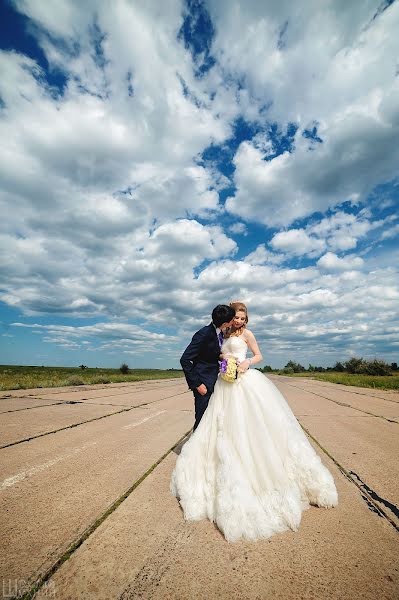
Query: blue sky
pixel 161 158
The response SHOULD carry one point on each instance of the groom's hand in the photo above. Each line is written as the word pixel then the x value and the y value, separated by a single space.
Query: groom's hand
pixel 202 389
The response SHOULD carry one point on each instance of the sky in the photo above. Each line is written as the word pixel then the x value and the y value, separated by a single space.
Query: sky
pixel 160 158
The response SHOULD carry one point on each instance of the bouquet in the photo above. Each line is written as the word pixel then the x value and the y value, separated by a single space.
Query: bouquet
pixel 229 369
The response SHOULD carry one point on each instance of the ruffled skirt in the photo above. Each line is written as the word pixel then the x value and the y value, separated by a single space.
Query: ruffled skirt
pixel 249 467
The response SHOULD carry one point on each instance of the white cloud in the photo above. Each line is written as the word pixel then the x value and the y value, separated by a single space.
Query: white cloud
pixel 262 256
pixel 297 242
pixel 332 262
pixel 391 232
pixel 239 228
pixel 335 68
pixel 112 215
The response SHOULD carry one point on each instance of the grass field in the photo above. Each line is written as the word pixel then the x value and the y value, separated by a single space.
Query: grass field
pixel 20 377
pixel 384 382
pixel 16 377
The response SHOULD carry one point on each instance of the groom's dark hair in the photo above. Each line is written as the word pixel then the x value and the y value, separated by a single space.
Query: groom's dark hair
pixel 222 314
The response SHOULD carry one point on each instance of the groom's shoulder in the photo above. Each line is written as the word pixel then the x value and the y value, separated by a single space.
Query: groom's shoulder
pixel 206 329
pixel 204 332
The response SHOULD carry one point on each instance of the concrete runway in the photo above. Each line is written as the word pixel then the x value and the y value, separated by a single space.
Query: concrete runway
pixel 86 509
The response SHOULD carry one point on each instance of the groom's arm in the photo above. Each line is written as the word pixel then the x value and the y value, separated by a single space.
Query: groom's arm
pixel 188 357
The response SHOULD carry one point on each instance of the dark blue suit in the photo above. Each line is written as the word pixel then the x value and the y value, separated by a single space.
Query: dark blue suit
pixel 200 365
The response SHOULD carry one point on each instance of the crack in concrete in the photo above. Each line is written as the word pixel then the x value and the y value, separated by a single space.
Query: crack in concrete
pixel 392 507
pixel 371 501
pixel 34 437
pixel 344 403
pixel 88 389
pixel 76 544
pixel 342 389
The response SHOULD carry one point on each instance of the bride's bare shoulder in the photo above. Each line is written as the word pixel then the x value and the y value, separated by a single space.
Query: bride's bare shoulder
pixel 248 334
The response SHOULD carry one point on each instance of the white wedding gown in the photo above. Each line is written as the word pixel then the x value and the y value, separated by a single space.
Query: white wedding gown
pixel 248 466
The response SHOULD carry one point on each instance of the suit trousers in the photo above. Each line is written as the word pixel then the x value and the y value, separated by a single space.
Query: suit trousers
pixel 201 404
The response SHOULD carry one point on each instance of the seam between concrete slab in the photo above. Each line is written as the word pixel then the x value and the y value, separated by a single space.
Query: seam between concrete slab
pixel 361 487
pixel 85 389
pixel 342 386
pixel 34 437
pixel 63 402
pixel 90 388
pixel 343 403
pixel 4 412
pixel 75 545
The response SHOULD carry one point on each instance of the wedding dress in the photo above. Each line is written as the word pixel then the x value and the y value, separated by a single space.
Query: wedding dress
pixel 248 466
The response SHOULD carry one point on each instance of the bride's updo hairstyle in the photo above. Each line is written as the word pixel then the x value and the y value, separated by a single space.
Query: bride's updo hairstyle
pixel 236 305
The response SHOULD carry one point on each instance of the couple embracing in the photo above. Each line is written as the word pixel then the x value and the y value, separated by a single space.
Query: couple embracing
pixel 248 466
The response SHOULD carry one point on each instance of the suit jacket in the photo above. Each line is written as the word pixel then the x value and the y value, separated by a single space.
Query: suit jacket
pixel 200 358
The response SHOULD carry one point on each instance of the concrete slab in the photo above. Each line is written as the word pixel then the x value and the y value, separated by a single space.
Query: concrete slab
pixel 183 401
pixel 367 447
pixel 146 550
pixel 24 424
pixel 54 487
pixel 126 399
pixel 20 425
pixel 391 395
pixel 11 404
pixel 304 403
pixel 334 396
pixel 130 384
pixel 115 394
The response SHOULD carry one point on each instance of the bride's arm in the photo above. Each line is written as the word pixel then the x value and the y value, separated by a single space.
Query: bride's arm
pixel 253 346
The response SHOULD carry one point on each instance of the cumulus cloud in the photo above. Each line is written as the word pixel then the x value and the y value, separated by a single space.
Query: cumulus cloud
pixel 344 89
pixel 297 242
pixel 339 232
pixel 109 336
pixel 239 228
pixel 261 255
pixel 113 213
pixel 332 262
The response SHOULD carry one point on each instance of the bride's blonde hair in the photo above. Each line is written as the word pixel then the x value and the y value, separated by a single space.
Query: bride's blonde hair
pixel 236 305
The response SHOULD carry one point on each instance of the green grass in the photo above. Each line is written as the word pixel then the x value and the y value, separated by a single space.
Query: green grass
pixel 20 377
pixel 384 382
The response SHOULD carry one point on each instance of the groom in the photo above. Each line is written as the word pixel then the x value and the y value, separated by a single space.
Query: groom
pixel 200 358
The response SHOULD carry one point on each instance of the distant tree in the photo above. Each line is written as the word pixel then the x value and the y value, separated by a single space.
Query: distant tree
pixel 83 367
pixel 355 365
pixel 267 369
pixel 394 366
pixel 310 368
pixel 124 368
pixel 339 367
pixel 296 367
pixel 378 367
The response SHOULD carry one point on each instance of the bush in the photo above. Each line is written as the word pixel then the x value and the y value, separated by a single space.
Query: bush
pixel 296 367
pixel 101 379
pixel 378 367
pixel 356 365
pixel 124 369
pixel 359 366
pixel 74 381
pixel 83 367
pixel 339 367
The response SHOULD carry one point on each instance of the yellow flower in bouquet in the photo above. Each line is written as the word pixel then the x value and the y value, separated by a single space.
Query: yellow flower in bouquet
pixel 229 369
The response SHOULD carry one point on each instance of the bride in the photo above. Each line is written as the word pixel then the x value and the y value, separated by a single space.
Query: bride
pixel 248 466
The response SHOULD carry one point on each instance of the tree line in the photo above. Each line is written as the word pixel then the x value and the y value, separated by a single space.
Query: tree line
pixel 354 365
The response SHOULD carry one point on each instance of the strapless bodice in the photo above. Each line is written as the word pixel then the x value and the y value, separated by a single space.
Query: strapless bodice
pixel 235 346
